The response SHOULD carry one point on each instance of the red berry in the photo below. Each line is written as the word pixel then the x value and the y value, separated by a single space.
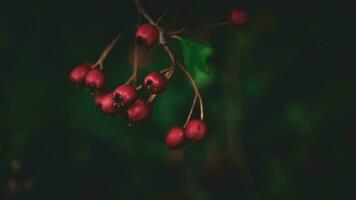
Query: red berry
pixel 147 35
pixel 125 95
pixel 95 80
pixel 98 99
pixel 195 130
pixel 155 82
pixel 175 137
pixel 139 111
pixel 106 103
pixel 238 17
pixel 78 74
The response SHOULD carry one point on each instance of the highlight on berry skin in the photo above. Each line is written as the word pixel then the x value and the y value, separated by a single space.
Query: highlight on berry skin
pixel 106 103
pixel 195 130
pixel 95 80
pixel 175 137
pixel 79 73
pixel 147 35
pixel 125 95
pixel 155 82
pixel 139 111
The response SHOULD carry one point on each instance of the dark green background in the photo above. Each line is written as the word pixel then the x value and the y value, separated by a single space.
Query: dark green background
pixel 279 104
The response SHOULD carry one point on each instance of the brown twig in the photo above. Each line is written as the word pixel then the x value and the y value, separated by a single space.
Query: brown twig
pixel 105 53
pixel 191 111
pixel 133 78
pixel 209 26
pixel 161 17
pixel 151 98
pixel 195 87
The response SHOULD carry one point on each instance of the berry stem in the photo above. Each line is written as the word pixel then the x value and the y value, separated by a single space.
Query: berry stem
pixel 209 26
pixel 105 53
pixel 162 16
pixel 195 87
pixel 151 98
pixel 143 12
pixel 133 78
pixel 191 111
pixel 170 69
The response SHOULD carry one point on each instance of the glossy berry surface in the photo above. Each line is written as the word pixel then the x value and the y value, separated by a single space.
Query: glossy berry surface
pixel 139 111
pixel 78 74
pixel 95 80
pixel 155 82
pixel 175 137
pixel 195 130
pixel 147 35
pixel 106 103
pixel 125 95
pixel 238 17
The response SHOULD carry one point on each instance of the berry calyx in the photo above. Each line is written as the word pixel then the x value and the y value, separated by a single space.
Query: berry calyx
pixel 125 95
pixel 139 111
pixel 238 17
pixel 78 74
pixel 106 103
pixel 175 137
pixel 155 82
pixel 95 80
pixel 147 35
pixel 195 130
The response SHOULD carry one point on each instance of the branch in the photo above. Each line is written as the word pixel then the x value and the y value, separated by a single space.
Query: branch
pixel 205 27
pixel 105 53
pixel 191 111
pixel 133 78
pixel 143 12
pixel 195 87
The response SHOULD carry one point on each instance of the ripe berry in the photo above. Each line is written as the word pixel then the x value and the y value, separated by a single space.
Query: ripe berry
pixel 78 74
pixel 238 17
pixel 139 111
pixel 98 99
pixel 106 103
pixel 125 95
pixel 95 80
pixel 175 137
pixel 195 130
pixel 147 35
pixel 155 82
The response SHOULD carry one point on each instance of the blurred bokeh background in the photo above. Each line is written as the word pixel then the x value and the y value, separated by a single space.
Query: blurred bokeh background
pixel 279 104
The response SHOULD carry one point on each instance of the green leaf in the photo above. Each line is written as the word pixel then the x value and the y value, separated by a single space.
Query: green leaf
pixel 196 55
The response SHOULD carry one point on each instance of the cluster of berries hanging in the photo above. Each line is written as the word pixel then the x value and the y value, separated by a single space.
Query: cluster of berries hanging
pixel 125 99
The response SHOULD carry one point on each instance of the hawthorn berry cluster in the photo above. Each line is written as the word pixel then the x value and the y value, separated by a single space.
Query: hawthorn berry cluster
pixel 125 99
